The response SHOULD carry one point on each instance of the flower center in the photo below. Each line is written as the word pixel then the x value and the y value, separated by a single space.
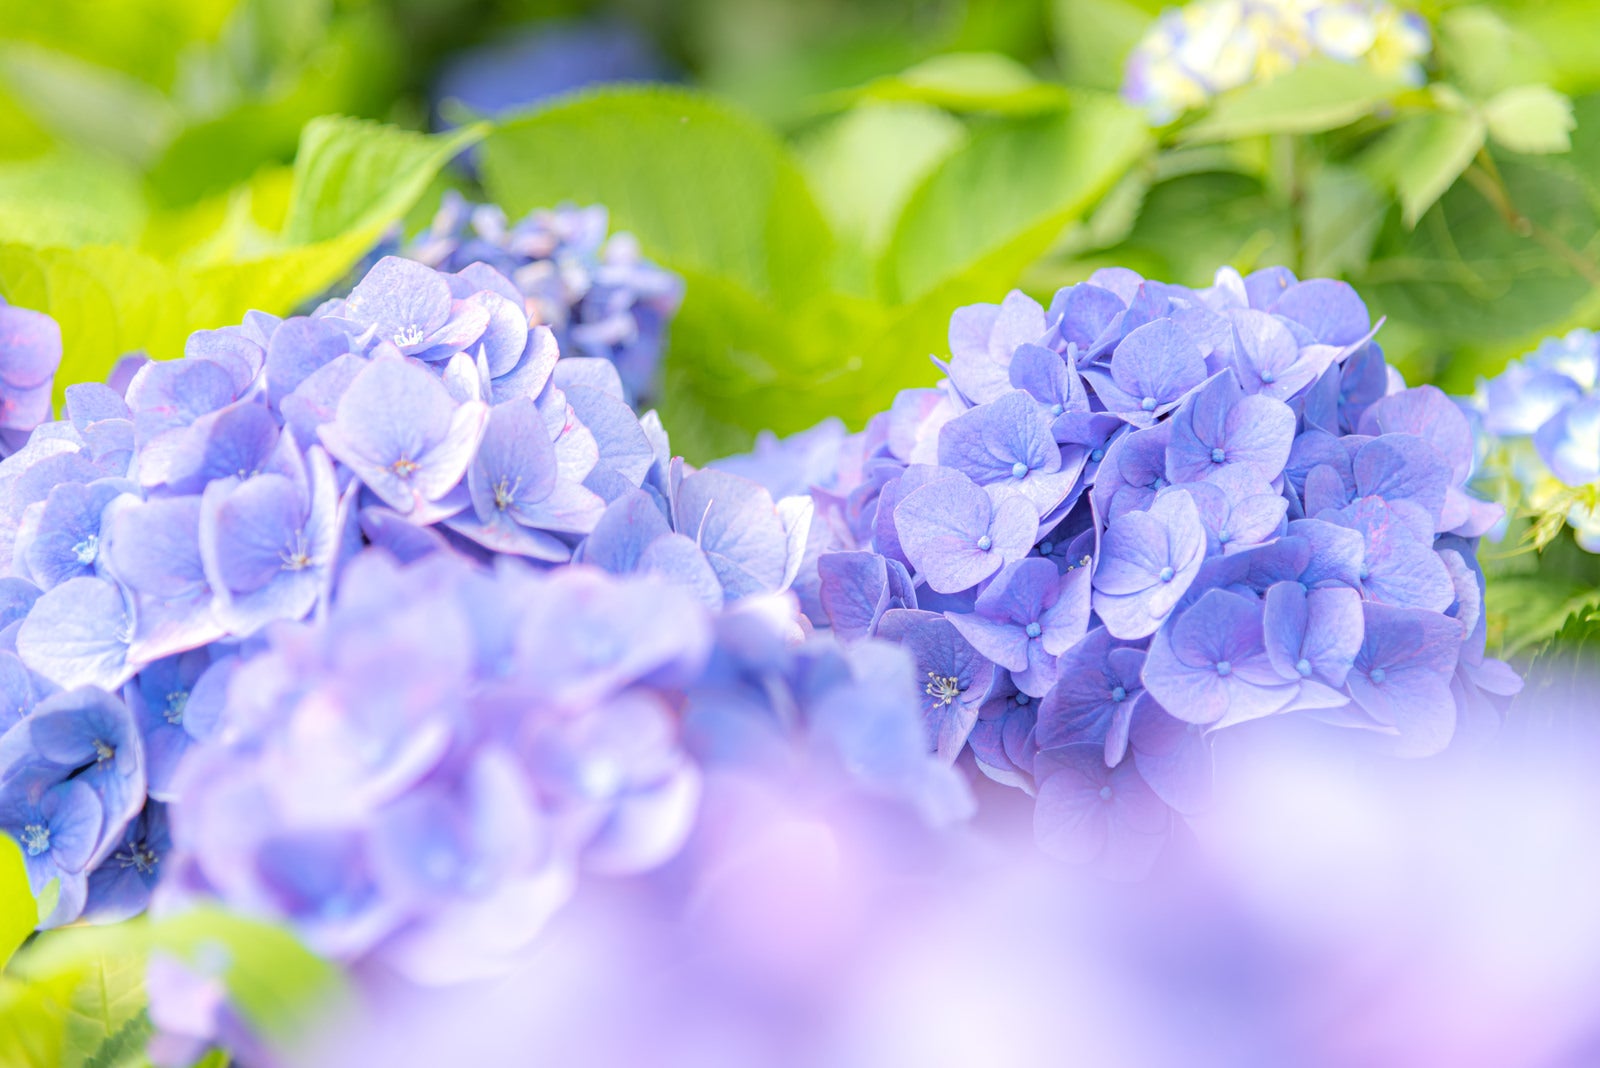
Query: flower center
pixel 87 549
pixel 1303 666
pixel 1166 574
pixel 1268 377
pixel 1224 668
pixel 1032 630
pixel 1378 675
pixel 176 703
pixel 1056 409
pixel 405 467
pixel 1105 793
pixel 985 543
pixel 1223 535
pixel 1019 469
pixel 1148 404
pixel 1096 455
pixel 296 558
pixel 411 334
pixel 1217 456
pixel 1046 548
pixel 1118 694
pixel 942 688
pixel 139 857
pixel 505 493
pixel 1022 699
pixel 103 752
pixel 36 839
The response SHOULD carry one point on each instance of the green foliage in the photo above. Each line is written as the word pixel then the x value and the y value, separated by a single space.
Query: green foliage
pixel 1315 96
pixel 1530 118
pixel 74 998
pixel 18 911
pixel 1093 37
pixel 352 180
pixel 964 81
pixel 803 305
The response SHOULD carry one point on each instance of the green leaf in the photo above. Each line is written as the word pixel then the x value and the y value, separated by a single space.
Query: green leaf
pixel 69 199
pixel 1484 54
pixel 352 181
pixel 1093 37
pixel 863 165
pixel 1531 119
pixel 18 911
pixel 966 82
pixel 349 173
pixel 998 204
pixel 275 982
pixel 704 188
pixel 96 108
pixel 1468 276
pixel 1315 96
pixel 1342 214
pixel 125 1048
pixel 1424 155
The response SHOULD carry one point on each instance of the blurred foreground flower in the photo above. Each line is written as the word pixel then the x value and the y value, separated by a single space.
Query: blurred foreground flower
pixel 1147 514
pixel 1210 46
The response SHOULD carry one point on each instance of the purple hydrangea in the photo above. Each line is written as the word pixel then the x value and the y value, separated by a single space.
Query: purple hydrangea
pixel 189 514
pixel 30 353
pixel 595 291
pixel 1147 513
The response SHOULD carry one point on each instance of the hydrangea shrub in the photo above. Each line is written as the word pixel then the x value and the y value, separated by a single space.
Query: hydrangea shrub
pixel 1146 514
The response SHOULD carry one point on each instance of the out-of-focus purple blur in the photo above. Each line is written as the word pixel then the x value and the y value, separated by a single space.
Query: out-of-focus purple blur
pixel 1336 907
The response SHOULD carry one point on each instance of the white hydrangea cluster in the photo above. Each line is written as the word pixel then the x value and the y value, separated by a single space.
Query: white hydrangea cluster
pixel 1194 52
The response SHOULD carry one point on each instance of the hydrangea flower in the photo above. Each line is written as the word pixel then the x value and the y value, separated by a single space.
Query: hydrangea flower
pixel 1541 420
pixel 156 538
pixel 1223 506
pixel 595 291
pixel 30 352
pixel 1210 46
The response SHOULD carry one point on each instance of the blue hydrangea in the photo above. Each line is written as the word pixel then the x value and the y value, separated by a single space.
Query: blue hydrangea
pixel 1145 514
pixel 594 289
pixel 192 522
pixel 1541 423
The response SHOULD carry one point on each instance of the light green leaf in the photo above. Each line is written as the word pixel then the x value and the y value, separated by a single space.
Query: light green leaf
pixel 1341 215
pixel 863 165
pixel 704 188
pixel 49 898
pixel 995 206
pixel 18 911
pixel 1315 96
pixel 96 108
pixel 1424 155
pixel 352 181
pixel 349 173
pixel 1093 37
pixel 1531 118
pixel 69 199
pixel 125 1048
pixel 1484 54
pixel 964 81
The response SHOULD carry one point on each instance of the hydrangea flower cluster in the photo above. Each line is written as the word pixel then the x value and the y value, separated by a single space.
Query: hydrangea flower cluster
pixel 419 778
pixel 597 293
pixel 1145 514
pixel 150 538
pixel 1210 46
pixel 30 353
pixel 1541 417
